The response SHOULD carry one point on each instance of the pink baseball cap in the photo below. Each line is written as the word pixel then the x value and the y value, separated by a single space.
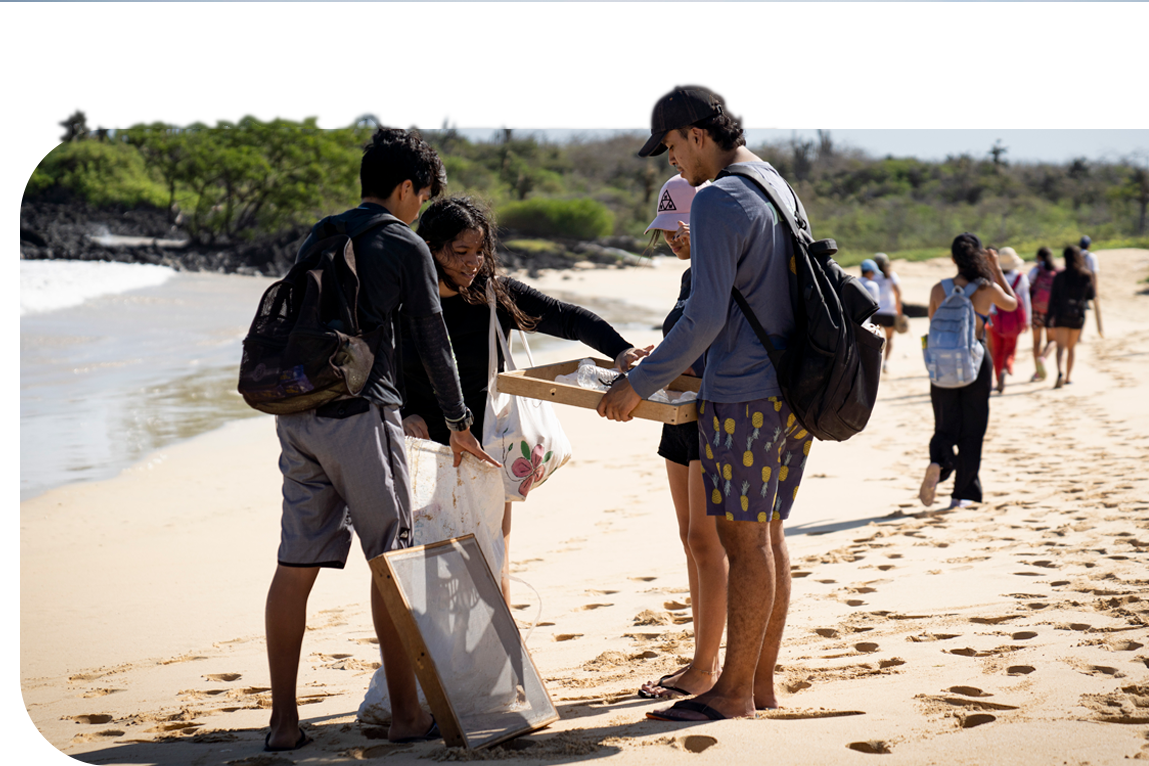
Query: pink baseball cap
pixel 674 204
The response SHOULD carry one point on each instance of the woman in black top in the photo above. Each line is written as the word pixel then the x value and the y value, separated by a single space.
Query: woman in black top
pixel 461 236
pixel 1071 292
pixel 706 564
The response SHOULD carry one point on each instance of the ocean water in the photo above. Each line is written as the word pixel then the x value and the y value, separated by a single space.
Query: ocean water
pixel 52 285
pixel 119 360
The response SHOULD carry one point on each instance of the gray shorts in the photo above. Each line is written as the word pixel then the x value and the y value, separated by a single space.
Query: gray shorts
pixel 341 474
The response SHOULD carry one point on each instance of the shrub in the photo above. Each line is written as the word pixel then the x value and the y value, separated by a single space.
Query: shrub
pixel 102 173
pixel 573 218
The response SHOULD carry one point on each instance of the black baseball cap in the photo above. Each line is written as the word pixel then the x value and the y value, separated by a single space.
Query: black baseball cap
pixel 685 105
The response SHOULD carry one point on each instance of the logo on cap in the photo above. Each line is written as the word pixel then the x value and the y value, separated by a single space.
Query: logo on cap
pixel 666 204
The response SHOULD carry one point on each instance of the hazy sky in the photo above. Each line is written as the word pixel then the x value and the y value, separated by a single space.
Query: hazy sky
pixel 874 74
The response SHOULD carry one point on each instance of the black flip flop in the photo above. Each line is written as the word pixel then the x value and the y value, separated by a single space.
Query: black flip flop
pixel 661 683
pixel 693 706
pixel 303 740
pixel 433 733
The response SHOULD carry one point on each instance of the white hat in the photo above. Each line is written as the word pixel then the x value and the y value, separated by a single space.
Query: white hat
pixel 674 204
pixel 1009 260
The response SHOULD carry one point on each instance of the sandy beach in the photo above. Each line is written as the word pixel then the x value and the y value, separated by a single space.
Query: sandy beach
pixel 1012 632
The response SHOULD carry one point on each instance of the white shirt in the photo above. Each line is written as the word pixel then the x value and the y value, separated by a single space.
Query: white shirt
pixel 1090 261
pixel 873 287
pixel 886 302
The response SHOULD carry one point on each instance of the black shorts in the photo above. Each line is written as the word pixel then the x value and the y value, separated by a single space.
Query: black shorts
pixel 884 320
pixel 679 443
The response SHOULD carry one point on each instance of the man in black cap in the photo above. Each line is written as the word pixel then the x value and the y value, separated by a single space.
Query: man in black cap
pixel 753 451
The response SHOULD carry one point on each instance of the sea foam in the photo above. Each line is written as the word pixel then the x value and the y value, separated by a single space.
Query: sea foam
pixel 48 285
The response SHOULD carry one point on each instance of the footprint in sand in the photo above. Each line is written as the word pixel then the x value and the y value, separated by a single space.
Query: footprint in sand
pixel 1019 670
pixel 106 734
pixel 975 719
pixel 226 676
pixel 696 743
pixel 968 691
pixel 932 637
pixel 886 567
pixel 643 579
pixel 855 602
pixel 866 647
pixel 675 606
pixel 871 746
pixel 993 620
pixel 591 607
pixel 567 636
pixel 1023 635
pixel 100 692
pixel 92 718
pixel 590 592
pixel 798 575
pixel 805 715
pixel 827 632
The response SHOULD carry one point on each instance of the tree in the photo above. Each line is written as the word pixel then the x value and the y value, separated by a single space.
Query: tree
pixel 997 152
pixel 75 127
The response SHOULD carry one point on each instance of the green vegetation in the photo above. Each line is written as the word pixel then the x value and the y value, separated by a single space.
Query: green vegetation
pixel 571 218
pixel 250 179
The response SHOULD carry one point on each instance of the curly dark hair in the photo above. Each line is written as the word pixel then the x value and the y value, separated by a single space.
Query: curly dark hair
pixel 724 131
pixel 970 258
pixel 394 155
pixel 441 224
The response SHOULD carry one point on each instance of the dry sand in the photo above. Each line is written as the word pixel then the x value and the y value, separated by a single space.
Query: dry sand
pixel 1013 632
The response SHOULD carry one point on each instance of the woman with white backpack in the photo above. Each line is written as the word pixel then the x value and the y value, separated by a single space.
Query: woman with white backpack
pixel 960 369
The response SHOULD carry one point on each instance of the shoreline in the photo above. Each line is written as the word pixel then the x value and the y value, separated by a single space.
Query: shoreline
pixel 903 630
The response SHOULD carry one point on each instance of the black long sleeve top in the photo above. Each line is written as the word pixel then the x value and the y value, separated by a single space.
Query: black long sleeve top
pixel 468 326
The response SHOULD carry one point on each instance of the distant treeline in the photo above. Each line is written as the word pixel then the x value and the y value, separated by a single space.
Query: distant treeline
pixel 243 181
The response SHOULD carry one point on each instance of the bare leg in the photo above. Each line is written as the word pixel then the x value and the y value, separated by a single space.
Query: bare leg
pixel 750 602
pixel 285 620
pixel 1062 336
pixel 889 331
pixel 1070 351
pixel 706 563
pixel 408 719
pixel 764 697
pixel 706 567
pixel 505 575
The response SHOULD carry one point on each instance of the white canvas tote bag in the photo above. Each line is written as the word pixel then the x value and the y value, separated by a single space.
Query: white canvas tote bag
pixel 523 434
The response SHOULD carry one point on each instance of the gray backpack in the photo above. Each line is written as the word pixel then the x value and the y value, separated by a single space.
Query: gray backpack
pixel 952 352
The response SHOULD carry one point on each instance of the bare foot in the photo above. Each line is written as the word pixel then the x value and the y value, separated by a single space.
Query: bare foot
pixel 420 725
pixel 930 484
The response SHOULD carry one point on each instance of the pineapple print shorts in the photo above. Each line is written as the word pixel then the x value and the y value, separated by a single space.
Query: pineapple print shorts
pixel 752 457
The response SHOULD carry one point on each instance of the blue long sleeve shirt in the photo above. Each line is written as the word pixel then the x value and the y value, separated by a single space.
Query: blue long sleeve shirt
pixel 737 239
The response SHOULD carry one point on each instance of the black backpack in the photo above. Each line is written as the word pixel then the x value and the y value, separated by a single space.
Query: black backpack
pixel 305 346
pixel 830 368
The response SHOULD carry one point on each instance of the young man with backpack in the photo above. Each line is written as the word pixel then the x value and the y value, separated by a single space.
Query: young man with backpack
pixel 343 463
pixel 753 448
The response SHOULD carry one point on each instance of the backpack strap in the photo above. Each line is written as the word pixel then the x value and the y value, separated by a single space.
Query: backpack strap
pixel 798 225
pixel 774 353
pixel 799 228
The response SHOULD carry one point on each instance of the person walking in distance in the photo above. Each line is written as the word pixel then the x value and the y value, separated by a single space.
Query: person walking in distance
pixel 1040 284
pixel 753 451
pixel 961 413
pixel 1005 327
pixel 889 303
pixel 1071 292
